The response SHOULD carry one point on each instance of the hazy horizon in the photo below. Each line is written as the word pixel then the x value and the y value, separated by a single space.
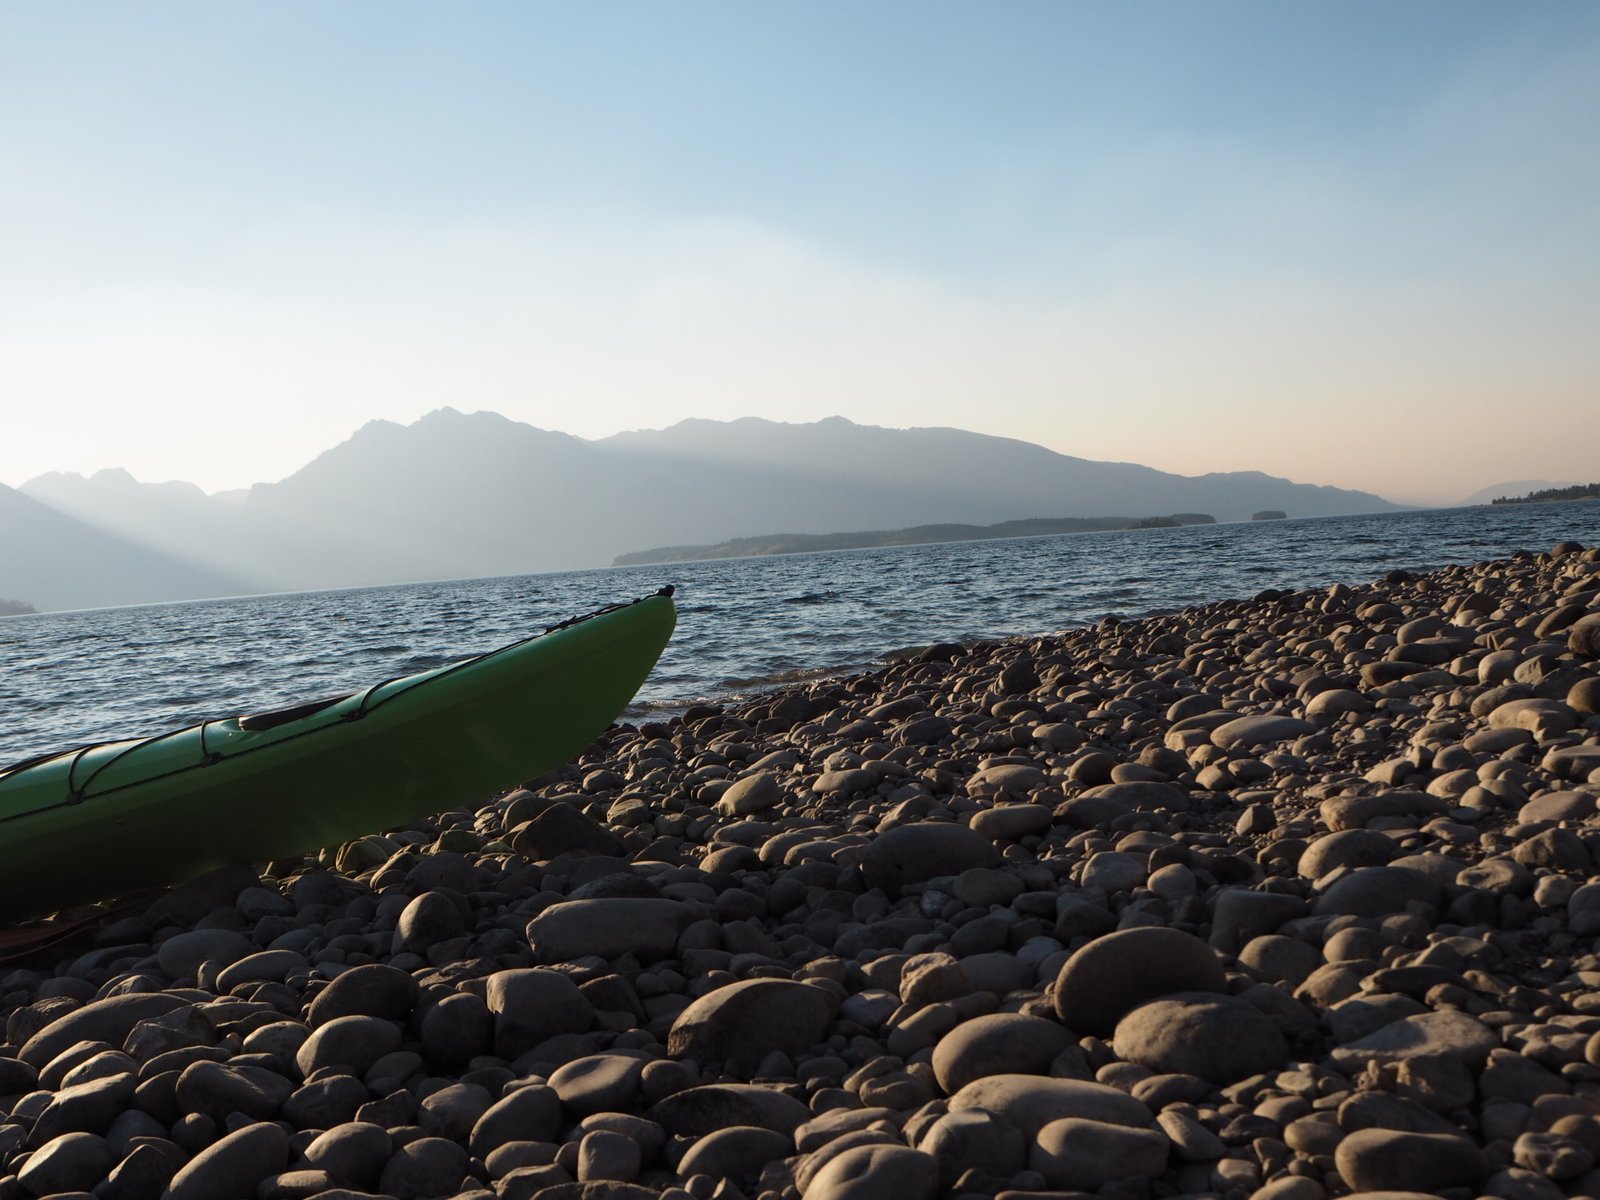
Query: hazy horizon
pixel 1349 245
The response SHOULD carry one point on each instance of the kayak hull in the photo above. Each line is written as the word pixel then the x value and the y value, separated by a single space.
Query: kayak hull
pixel 120 817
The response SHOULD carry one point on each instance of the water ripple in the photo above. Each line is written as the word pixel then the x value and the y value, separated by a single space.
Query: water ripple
pixel 744 624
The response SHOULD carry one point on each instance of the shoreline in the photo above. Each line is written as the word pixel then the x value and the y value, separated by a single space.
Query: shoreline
pixel 1283 897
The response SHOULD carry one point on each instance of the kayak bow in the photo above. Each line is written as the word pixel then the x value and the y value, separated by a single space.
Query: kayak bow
pixel 102 820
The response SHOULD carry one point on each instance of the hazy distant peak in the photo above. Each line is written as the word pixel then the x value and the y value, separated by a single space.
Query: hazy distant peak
pixel 51 478
pixel 60 485
pixel 446 415
pixel 377 427
pixel 481 421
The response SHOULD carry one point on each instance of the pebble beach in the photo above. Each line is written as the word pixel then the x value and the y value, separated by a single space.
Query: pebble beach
pixel 1292 896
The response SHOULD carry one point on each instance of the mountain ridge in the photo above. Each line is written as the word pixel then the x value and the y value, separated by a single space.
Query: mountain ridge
pixel 456 495
pixel 50 560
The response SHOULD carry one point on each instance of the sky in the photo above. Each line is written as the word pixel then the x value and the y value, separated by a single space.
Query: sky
pixel 1350 243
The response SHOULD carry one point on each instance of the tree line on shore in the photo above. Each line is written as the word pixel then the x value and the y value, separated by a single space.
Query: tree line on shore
pixel 1578 491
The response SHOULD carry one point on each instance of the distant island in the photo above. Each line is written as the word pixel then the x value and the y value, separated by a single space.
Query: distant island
pixel 916 535
pixel 1578 491
pixel 1270 514
pixel 15 608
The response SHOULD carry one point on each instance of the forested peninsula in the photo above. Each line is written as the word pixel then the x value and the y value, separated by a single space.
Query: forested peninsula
pixel 916 535
pixel 1578 491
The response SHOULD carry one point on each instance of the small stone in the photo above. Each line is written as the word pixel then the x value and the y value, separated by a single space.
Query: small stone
pixel 1191 1141
pixel 754 793
pixel 603 1154
pixel 931 978
pixel 1011 822
pixel 1552 1155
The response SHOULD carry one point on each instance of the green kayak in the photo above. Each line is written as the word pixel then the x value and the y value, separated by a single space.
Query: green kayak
pixel 99 821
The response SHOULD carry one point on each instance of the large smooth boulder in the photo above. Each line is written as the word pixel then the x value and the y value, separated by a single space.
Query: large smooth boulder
pixel 530 1005
pixel 1375 1160
pixel 369 990
pixel 874 1172
pixel 1449 1033
pixel 697 1111
pixel 998 1044
pixel 233 1167
pixel 1114 974
pixel 109 1020
pixel 1030 1102
pixel 1263 729
pixel 740 1024
pixel 922 851
pixel 647 927
pixel 1377 892
pixel 1086 1155
pixel 1217 1038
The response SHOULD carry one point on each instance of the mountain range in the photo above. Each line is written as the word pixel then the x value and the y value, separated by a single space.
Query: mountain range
pixel 457 495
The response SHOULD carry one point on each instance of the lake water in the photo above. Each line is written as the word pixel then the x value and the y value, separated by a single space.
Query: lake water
pixel 744 624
